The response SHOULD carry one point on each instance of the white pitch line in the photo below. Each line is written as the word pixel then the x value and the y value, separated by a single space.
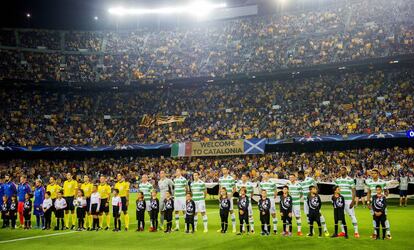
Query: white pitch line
pixel 57 234
pixel 36 237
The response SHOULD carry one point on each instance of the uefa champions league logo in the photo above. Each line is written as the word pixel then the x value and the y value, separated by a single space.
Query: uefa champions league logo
pixel 314 203
pixel 379 203
pixel 189 207
pixel 339 202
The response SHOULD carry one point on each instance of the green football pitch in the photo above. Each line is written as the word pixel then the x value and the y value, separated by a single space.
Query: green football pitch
pixel 401 219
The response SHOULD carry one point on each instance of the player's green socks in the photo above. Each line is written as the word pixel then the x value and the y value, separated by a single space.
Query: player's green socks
pixel 299 222
pixel 205 222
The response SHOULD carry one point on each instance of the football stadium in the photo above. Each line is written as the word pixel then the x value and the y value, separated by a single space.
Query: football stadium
pixel 207 124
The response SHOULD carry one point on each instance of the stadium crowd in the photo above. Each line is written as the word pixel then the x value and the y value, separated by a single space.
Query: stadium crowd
pixel 323 166
pixel 351 103
pixel 346 31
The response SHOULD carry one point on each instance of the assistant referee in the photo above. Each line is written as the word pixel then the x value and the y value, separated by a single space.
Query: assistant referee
pixel 123 187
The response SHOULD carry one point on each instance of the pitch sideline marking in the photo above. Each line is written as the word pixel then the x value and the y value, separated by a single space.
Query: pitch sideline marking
pixel 36 237
pixel 57 234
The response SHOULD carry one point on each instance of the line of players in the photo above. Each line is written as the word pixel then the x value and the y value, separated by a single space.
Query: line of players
pixel 92 202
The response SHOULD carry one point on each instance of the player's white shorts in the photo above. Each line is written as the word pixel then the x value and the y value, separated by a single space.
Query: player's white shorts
pixel 306 207
pixel 350 211
pixel 200 206
pixel 179 204
pixel 250 208
pixel 147 205
pixel 272 209
pixel 296 210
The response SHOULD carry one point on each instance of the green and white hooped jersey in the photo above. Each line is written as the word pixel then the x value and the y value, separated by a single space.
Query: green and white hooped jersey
pixel 295 191
pixel 270 188
pixel 371 184
pixel 146 188
pixel 248 185
pixel 309 181
pixel 228 183
pixel 198 188
pixel 179 187
pixel 346 185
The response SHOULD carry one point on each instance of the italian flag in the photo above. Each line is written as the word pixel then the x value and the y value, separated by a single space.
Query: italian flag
pixel 181 149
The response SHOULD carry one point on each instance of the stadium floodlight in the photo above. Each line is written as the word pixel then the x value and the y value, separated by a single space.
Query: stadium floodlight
pixel 198 8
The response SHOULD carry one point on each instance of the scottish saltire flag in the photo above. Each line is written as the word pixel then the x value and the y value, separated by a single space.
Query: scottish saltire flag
pixel 254 146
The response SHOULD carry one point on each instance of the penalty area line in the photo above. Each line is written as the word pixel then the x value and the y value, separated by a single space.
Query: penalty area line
pixel 36 237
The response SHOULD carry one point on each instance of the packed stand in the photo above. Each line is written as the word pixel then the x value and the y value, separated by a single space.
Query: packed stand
pixel 352 30
pixel 331 104
pixel 323 166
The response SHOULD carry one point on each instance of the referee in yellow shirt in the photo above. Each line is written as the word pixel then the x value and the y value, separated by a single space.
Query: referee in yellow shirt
pixel 104 191
pixel 87 191
pixel 70 187
pixel 123 187
pixel 53 188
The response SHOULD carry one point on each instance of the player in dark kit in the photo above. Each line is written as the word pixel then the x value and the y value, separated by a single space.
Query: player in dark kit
pixel 379 204
pixel 338 202
pixel 140 205
pixel 168 211
pixel 314 203
pixel 264 209
pixel 224 209
pixel 27 211
pixel 189 212
pixel 286 204
pixel 243 205
pixel 155 208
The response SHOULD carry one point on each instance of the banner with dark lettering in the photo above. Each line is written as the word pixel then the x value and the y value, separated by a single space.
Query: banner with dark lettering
pixel 217 148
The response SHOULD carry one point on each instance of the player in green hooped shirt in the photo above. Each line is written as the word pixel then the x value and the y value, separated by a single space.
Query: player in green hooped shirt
pixel 180 189
pixel 199 190
pixel 146 187
pixel 306 182
pixel 347 187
